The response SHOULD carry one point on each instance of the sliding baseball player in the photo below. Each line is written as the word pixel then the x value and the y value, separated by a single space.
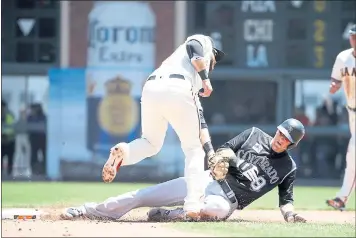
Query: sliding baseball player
pixel 170 95
pixel 344 73
pixel 242 170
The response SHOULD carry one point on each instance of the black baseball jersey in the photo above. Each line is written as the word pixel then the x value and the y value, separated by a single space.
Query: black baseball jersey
pixel 274 169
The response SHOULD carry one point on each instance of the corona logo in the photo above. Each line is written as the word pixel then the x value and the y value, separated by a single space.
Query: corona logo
pixel 118 111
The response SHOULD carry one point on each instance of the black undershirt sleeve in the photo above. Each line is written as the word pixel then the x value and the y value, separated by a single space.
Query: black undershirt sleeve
pixel 285 189
pixel 194 49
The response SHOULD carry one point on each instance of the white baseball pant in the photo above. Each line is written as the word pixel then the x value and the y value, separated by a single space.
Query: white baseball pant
pixel 348 184
pixel 170 100
pixel 170 193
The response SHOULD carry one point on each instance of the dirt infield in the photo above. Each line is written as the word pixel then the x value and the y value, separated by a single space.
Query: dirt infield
pixel 133 224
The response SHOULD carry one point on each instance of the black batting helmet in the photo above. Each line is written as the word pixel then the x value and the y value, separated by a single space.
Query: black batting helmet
pixel 219 54
pixel 293 130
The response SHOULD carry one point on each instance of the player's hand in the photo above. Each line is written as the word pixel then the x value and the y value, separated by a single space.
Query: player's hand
pixel 334 87
pixel 207 88
pixel 248 170
pixel 294 218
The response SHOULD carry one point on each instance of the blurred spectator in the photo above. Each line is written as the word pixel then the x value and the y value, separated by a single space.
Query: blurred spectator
pixel 327 112
pixel 7 137
pixel 322 118
pixel 343 119
pixel 23 148
pixel 240 113
pixel 299 113
pixel 37 139
pixel 217 119
pixel 325 148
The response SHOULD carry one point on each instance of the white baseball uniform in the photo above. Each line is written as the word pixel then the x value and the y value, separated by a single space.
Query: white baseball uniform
pixel 170 95
pixel 170 193
pixel 344 70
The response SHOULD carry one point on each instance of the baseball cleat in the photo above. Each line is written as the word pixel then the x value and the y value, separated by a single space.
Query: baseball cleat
pixel 73 212
pixel 114 162
pixel 164 215
pixel 336 203
pixel 192 216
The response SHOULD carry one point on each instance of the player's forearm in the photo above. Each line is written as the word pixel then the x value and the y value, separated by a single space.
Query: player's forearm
pixel 335 82
pixel 205 140
pixel 199 64
pixel 335 85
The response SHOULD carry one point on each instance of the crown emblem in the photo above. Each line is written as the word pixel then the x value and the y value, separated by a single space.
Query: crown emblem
pixel 118 85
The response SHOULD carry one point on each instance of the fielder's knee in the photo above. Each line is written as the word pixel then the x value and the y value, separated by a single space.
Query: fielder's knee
pixel 156 145
pixel 216 207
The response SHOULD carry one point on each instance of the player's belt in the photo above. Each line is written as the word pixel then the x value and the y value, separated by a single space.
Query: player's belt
pixel 351 109
pixel 228 191
pixel 171 76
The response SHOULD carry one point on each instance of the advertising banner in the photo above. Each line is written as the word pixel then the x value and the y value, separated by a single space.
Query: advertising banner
pixel 68 132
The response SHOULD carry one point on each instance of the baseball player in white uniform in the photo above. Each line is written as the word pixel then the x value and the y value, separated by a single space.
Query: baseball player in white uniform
pixel 344 73
pixel 170 95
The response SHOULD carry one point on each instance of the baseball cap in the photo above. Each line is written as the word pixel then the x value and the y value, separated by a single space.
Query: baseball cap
pixel 219 54
pixel 352 30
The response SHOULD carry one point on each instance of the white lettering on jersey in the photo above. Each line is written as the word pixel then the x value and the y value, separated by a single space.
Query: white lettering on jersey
pixel 344 70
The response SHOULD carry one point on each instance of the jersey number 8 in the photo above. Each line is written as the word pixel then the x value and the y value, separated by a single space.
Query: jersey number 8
pixel 258 184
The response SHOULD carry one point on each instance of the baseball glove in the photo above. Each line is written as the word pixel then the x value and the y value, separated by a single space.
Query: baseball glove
pixel 219 163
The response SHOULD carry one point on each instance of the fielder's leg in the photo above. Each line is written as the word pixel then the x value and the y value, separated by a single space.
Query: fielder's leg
pixel 348 185
pixel 170 193
pixel 185 121
pixel 349 178
pixel 154 127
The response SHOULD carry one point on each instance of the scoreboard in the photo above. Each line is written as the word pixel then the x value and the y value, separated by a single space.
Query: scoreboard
pixel 275 34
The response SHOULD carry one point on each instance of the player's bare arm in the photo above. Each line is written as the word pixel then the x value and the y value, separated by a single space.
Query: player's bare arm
pixel 336 78
pixel 196 54
pixel 335 85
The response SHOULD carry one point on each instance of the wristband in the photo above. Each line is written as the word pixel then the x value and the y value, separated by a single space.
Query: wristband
pixel 203 74
pixel 208 148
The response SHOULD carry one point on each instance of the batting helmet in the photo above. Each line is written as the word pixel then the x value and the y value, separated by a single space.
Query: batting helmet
pixel 352 30
pixel 219 54
pixel 293 130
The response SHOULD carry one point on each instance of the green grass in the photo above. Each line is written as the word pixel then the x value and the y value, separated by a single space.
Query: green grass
pixel 253 229
pixel 40 194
